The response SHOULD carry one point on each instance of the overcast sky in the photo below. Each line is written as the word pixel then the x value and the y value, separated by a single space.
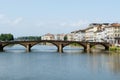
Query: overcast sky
pixel 38 17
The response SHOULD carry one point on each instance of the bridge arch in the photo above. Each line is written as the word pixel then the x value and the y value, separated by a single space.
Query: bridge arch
pixel 73 47
pixel 76 43
pixel 12 45
pixel 106 46
pixel 44 42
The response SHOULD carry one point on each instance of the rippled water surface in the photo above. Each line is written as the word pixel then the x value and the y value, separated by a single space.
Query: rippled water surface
pixel 44 63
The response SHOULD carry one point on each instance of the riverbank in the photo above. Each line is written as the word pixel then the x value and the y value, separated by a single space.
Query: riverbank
pixel 114 48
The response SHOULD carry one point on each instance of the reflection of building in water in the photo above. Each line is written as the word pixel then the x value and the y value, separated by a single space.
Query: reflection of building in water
pixel 104 62
pixel 114 63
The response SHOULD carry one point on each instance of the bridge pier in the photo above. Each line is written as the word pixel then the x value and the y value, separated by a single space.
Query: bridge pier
pixel 106 48
pixel 88 48
pixel 28 47
pixel 1 48
pixel 60 48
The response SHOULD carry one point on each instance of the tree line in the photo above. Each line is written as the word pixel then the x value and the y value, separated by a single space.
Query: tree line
pixel 6 37
pixel 10 37
pixel 29 38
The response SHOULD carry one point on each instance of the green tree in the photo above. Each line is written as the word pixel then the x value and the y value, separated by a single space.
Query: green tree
pixel 29 38
pixel 6 37
pixel 65 38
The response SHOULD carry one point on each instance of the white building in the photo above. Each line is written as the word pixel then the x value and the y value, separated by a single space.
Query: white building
pixel 113 34
pixel 59 36
pixel 48 36
pixel 100 37
pixel 79 35
pixel 101 33
pixel 89 34
pixel 70 37
pixel 109 34
pixel 95 32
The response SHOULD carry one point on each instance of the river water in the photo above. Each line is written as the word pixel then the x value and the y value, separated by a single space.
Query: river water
pixel 44 63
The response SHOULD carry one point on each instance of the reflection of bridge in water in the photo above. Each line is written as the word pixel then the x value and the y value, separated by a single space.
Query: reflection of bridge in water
pixel 59 44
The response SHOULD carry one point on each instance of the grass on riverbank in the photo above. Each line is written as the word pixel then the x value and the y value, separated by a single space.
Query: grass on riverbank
pixel 114 48
pixel 75 45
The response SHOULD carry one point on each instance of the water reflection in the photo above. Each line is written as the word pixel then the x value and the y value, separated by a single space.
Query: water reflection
pixel 44 63
pixel 105 60
pixel 114 62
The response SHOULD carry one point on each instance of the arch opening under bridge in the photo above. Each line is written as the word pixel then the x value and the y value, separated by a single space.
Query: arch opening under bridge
pixel 74 46
pixel 100 46
pixel 14 47
pixel 44 46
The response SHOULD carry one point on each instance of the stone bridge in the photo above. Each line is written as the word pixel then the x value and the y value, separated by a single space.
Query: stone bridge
pixel 59 44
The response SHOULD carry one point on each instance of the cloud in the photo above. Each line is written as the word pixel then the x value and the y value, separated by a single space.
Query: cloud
pixel 61 26
pixel 7 21
pixel 16 21
pixel 73 24
pixel 2 16
pixel 64 23
pixel 80 23
pixel 4 20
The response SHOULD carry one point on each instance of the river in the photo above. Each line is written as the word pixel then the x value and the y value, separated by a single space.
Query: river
pixel 44 63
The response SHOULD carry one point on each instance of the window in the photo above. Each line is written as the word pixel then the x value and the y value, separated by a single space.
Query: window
pixel 118 35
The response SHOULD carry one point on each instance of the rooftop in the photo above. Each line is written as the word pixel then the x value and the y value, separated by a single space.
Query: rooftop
pixel 115 25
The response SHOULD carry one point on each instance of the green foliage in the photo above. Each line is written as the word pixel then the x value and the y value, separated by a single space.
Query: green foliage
pixel 75 44
pixel 93 47
pixel 29 38
pixel 65 38
pixel 114 48
pixel 6 37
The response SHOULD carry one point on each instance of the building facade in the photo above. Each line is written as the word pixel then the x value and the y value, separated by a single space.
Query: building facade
pixel 115 27
pixel 59 36
pixel 48 36
pixel 79 35
pixel 96 32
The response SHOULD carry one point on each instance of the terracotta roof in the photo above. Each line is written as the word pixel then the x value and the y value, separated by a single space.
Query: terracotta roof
pixel 115 25
pixel 88 28
pixel 78 31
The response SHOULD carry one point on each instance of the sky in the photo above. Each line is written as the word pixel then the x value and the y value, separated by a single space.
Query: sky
pixel 38 17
